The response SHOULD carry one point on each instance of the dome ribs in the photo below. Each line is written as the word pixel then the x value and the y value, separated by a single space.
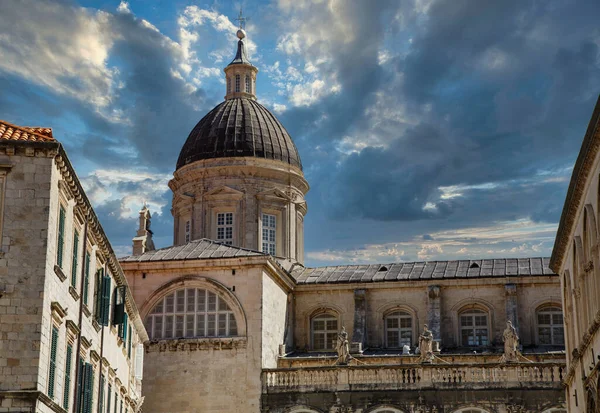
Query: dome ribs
pixel 239 128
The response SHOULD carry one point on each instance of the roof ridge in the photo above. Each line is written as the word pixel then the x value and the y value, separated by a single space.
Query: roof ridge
pixel 33 130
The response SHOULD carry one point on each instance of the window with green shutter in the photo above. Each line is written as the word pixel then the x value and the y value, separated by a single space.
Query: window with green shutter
pixel 121 409
pixel 106 288
pixel 67 389
pixel 101 395
pixel 116 400
pixel 108 396
pixel 119 307
pixel 98 295
pixel 85 388
pixel 75 258
pixel 129 344
pixel 52 370
pixel 123 328
pixel 86 280
pixel 61 237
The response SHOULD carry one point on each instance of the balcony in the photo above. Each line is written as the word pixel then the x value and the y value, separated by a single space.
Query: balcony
pixel 532 375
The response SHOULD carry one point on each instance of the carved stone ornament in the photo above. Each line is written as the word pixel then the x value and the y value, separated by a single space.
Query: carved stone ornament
pixel 511 343
pixel 343 347
pixel 426 346
pixel 589 266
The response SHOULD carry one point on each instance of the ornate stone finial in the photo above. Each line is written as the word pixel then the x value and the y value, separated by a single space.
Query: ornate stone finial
pixel 511 343
pixel 426 346
pixel 343 347
pixel 142 242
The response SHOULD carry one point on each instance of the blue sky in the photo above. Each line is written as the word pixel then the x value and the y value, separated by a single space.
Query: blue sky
pixel 428 129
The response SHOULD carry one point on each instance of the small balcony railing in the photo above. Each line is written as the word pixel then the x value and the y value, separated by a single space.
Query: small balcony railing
pixel 409 377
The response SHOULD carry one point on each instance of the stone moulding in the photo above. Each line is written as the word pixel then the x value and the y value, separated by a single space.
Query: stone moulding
pixel 196 344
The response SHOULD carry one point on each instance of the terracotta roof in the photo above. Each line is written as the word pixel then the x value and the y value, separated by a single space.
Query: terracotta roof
pixel 576 193
pixel 411 271
pixel 194 250
pixel 10 132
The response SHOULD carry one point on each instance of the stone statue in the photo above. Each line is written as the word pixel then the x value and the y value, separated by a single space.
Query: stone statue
pixel 426 345
pixel 511 342
pixel 138 406
pixel 343 347
pixel 406 349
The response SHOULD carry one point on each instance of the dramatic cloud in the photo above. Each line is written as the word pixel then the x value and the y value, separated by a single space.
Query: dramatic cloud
pixel 428 129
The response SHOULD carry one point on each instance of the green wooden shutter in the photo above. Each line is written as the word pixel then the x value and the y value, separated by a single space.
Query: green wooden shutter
pixel 75 258
pixel 52 370
pixel 66 390
pixel 101 395
pixel 124 328
pixel 78 400
pixel 86 280
pixel 121 409
pixel 119 307
pixel 61 237
pixel 129 344
pixel 116 400
pixel 108 396
pixel 98 295
pixel 88 389
pixel 106 286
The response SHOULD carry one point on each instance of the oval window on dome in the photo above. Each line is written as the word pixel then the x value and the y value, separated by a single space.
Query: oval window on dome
pixel 191 312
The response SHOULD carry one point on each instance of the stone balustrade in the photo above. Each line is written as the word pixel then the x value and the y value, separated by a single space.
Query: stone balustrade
pixel 409 377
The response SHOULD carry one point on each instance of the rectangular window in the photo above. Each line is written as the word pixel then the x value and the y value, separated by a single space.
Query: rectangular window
pixel 108 396
pixel 67 389
pixel 269 231
pixel 129 344
pixel 237 83
pixel 225 227
pixel 75 259
pixel 247 84
pixel 86 279
pixel 103 288
pixel 85 388
pixel 119 306
pixel 187 231
pixel 61 237
pixel 101 395
pixel 52 369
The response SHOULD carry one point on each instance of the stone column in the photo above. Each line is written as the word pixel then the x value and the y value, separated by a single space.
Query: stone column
pixel 434 313
pixel 360 322
pixel 510 291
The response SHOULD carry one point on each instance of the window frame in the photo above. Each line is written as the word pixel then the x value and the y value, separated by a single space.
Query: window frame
pixel 551 309
pixel 238 83
pixel 325 316
pixel 225 240
pixel 271 245
pixel 474 311
pixel 222 307
pixel 400 314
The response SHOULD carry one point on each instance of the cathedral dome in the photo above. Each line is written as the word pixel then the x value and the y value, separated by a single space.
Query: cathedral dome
pixel 239 127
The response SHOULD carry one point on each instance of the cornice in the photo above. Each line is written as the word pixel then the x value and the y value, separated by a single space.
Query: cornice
pixel 576 193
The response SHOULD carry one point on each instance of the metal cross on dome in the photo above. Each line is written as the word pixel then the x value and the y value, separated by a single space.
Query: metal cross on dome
pixel 242 20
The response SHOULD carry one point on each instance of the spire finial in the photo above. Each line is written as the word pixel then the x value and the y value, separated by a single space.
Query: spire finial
pixel 242 20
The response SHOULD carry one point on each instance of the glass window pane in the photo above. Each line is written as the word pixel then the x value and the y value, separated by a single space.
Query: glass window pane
pixel 222 325
pixel 544 335
pixel 191 300
pixel 201 301
pixel 169 326
pixel 180 299
pixel 393 339
pixel 179 326
pixel 232 325
pixel 200 325
pixel 189 325
pixel 158 327
pixel 211 325
pixel 223 305
pixel 212 301
pixel 169 303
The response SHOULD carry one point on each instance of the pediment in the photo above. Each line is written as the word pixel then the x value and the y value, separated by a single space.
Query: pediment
pixel 274 194
pixel 224 192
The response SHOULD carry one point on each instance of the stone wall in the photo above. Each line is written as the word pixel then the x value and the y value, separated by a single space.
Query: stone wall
pixel 274 314
pixel 381 298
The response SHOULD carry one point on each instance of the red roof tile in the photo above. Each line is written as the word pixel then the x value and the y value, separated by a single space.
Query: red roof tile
pixel 10 132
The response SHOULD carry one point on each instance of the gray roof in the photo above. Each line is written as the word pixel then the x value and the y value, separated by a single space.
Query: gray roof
pixel 194 250
pixel 237 128
pixel 409 271
pixel 241 57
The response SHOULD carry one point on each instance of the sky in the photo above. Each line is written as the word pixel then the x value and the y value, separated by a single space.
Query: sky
pixel 428 129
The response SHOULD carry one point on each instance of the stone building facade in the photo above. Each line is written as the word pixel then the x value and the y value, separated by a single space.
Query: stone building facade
pixel 576 259
pixel 70 332
pixel 237 323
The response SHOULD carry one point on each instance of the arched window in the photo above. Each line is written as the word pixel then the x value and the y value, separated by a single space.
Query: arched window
pixel 237 83
pixel 248 84
pixel 385 410
pixel 324 330
pixel 550 326
pixel 398 329
pixel 474 327
pixel 191 312
pixel 470 410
